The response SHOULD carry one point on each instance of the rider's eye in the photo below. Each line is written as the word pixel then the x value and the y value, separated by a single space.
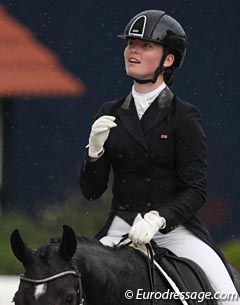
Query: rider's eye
pixel 147 45
pixel 130 42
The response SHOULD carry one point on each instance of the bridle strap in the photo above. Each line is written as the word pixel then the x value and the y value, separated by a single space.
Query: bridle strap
pixel 56 276
pixel 48 279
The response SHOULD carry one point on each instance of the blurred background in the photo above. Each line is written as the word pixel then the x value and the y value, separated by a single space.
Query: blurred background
pixel 59 60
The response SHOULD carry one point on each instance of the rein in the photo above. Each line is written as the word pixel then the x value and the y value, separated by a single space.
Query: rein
pixel 150 261
pixel 56 276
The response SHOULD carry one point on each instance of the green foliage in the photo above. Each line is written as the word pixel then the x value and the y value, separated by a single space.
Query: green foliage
pixel 85 217
pixel 31 232
pixel 231 251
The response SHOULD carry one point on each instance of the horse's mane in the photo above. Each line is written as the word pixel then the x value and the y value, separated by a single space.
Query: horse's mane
pixel 80 239
pixel 87 241
pixel 93 247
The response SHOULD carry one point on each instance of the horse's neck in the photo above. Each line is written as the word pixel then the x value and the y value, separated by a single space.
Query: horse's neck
pixel 107 273
pixel 97 262
pixel 100 268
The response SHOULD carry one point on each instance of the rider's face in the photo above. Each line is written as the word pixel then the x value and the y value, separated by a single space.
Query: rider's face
pixel 142 58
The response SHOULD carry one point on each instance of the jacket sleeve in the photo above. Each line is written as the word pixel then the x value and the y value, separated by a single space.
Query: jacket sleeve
pixel 94 176
pixel 191 167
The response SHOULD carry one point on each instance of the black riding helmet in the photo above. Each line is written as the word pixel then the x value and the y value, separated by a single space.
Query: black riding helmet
pixel 158 27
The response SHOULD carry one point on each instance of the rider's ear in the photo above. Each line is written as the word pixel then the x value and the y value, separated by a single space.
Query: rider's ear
pixel 68 244
pixel 22 253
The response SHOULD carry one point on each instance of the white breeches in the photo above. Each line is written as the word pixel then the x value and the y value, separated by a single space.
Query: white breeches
pixel 185 244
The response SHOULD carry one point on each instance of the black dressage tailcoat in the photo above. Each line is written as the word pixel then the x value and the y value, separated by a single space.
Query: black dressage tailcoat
pixel 158 162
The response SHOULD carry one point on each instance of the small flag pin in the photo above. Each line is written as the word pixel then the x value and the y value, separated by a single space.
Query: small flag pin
pixel 163 136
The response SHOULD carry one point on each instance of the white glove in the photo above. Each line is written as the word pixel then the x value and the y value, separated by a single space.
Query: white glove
pixel 143 231
pixel 99 134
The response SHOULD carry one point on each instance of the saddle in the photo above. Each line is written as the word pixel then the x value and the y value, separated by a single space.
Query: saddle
pixel 186 274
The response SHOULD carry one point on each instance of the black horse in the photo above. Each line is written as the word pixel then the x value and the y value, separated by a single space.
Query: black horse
pixel 69 269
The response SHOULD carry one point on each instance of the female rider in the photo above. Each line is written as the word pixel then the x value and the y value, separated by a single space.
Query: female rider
pixel 156 147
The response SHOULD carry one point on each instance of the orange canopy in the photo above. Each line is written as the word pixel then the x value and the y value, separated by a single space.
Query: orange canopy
pixel 28 68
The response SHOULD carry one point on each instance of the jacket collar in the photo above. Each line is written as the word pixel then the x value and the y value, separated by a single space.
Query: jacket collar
pixel 158 110
pixel 164 99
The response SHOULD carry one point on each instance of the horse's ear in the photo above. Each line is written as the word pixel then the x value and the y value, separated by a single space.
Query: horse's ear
pixel 22 253
pixel 68 244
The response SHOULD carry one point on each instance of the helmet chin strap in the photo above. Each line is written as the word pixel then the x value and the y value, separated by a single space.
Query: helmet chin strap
pixel 157 72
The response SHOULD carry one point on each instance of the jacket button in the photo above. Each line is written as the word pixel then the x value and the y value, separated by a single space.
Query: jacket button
pixel 149 204
pixel 147 179
pixel 120 156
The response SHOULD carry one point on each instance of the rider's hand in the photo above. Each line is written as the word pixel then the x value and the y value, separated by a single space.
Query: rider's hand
pixel 99 134
pixel 144 230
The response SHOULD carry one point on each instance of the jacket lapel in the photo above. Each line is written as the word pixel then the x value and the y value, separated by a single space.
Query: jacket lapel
pixel 158 110
pixel 127 113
